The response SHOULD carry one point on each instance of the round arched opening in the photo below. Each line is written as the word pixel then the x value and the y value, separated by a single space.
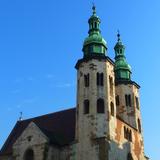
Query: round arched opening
pixel 29 155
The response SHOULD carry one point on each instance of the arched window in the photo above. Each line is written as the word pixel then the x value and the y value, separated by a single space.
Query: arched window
pixel 112 108
pixel 92 26
pixel 137 102
pixel 86 106
pixel 117 100
pixel 95 24
pixel 128 100
pixel 91 48
pixel 86 80
pixel 111 85
pixel 125 132
pixel 130 135
pixel 100 79
pixel 29 155
pixel 129 156
pixel 139 125
pixel 100 105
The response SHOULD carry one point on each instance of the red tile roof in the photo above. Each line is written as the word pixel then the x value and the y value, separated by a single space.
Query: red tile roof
pixel 59 127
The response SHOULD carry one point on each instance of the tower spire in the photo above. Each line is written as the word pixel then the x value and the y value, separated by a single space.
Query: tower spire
pixel 118 36
pixel 94 9
pixel 94 44
pixel 122 68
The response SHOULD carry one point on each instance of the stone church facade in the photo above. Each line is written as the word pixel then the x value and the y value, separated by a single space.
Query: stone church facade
pixel 106 123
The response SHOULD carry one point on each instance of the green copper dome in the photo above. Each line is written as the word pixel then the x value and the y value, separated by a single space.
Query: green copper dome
pixel 122 68
pixel 122 64
pixel 95 38
pixel 94 44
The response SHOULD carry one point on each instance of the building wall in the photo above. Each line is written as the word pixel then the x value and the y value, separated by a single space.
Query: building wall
pixel 39 143
pixel 6 157
pixel 129 114
pixel 101 136
pixel 68 152
pixel 31 138
pixel 93 127
pixel 120 148
pixel 52 153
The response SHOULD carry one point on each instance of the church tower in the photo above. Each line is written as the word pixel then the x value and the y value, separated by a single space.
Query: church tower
pixel 96 110
pixel 108 120
pixel 127 91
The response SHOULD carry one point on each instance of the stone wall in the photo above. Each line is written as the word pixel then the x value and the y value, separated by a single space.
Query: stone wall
pixel 92 127
pixel 6 157
pixel 129 114
pixel 120 148
pixel 32 138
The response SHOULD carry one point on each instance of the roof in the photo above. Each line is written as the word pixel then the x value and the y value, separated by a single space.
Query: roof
pixel 59 127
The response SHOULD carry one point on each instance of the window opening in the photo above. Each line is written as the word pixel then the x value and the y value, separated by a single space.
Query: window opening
pixel 86 106
pixel 111 85
pixel 128 100
pixel 29 155
pixel 137 102
pixel 100 79
pixel 128 134
pixel 112 108
pixel 95 24
pixel 117 100
pixel 86 80
pixel 139 125
pixel 100 105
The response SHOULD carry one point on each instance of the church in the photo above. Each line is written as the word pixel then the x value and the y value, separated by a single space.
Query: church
pixel 106 123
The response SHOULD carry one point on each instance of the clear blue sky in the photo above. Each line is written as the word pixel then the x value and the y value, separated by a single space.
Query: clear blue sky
pixel 41 40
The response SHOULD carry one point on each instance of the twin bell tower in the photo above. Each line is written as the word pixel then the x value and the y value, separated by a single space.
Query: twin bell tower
pixel 108 119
